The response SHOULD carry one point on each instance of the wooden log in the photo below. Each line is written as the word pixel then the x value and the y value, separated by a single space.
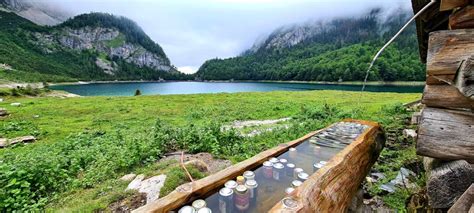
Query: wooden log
pixel 445 96
pixel 462 19
pixel 439 79
pixel 447 183
pixel 465 202
pixel 446 134
pixel 451 4
pixel 465 78
pixel 208 185
pixel 332 188
pixel 447 49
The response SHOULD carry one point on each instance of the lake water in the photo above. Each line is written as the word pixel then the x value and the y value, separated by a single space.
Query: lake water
pixel 166 88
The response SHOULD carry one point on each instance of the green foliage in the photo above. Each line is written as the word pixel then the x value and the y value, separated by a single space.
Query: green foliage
pixel 342 51
pixel 176 176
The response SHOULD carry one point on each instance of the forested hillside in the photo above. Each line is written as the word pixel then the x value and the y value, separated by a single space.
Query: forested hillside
pixel 92 46
pixel 336 50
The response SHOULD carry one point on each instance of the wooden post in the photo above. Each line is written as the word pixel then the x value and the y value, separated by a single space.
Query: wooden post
pixel 446 134
pixel 462 19
pixel 332 188
pixel 451 4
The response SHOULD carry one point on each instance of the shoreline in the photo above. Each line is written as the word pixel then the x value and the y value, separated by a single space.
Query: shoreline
pixel 370 83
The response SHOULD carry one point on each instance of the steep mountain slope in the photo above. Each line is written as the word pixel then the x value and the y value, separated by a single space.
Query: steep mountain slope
pixel 35 11
pixel 334 50
pixel 92 46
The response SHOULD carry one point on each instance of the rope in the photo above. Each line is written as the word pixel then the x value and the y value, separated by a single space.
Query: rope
pixel 184 167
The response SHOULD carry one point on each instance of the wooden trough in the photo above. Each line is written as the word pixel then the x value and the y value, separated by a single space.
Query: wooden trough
pixel 330 189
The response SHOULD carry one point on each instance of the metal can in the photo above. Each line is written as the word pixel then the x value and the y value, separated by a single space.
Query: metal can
pixel 253 192
pixel 204 210
pixel 249 175
pixel 303 176
pixel 226 200
pixel 283 161
pixel 274 160
pixel 199 204
pixel 323 162
pixel 278 171
pixel 289 190
pixel 292 153
pixel 289 203
pixel 187 209
pixel 240 180
pixel 241 198
pixel 296 171
pixel 296 183
pixel 317 166
pixel 267 169
pixel 231 184
pixel 289 169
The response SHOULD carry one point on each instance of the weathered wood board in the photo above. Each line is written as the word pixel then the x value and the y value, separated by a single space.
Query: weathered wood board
pixel 332 188
pixel 447 49
pixel 465 78
pixel 451 4
pixel 465 202
pixel 447 181
pixel 462 19
pixel 445 96
pixel 446 134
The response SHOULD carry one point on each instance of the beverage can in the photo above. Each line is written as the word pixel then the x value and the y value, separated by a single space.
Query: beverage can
pixel 226 200
pixel 274 160
pixel 296 183
pixel 296 171
pixel 253 192
pixel 241 198
pixel 303 176
pixel 292 152
pixel 249 175
pixel 283 161
pixel 187 209
pixel 289 169
pixel 278 171
pixel 204 210
pixel 240 180
pixel 199 204
pixel 231 184
pixel 289 190
pixel 267 169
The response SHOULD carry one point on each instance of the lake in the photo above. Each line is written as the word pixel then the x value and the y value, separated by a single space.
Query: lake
pixel 166 88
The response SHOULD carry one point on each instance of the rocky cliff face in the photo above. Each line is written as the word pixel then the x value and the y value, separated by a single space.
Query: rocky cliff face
pixel 35 11
pixel 107 41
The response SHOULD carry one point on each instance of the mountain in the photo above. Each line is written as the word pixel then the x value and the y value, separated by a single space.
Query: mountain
pixel 335 50
pixel 95 46
pixel 35 11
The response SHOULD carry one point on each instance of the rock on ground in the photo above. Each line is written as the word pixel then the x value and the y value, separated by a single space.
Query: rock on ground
pixel 25 139
pixel 128 177
pixel 3 112
pixel 150 186
pixel 409 133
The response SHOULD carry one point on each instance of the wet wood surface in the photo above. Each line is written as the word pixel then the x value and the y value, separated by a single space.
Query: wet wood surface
pixel 446 134
pixel 332 188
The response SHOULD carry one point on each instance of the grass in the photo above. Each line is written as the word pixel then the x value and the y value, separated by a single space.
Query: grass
pixel 116 42
pixel 85 144
pixel 21 76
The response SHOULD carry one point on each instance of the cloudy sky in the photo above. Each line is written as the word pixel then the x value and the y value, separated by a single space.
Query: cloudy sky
pixel 192 31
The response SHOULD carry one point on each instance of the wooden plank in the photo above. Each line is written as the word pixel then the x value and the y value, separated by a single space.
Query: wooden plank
pixel 465 78
pixel 332 188
pixel 451 4
pixel 462 19
pixel 445 96
pixel 447 49
pixel 446 134
pixel 208 185
pixel 447 182
pixel 465 202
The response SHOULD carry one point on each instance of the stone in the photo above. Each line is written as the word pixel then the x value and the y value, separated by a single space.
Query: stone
pixel 409 133
pixel 152 187
pixel 3 112
pixel 3 142
pixel 128 177
pixel 36 116
pixel 24 139
pixel 15 104
pixel 1 99
pixel 198 164
pixel 415 118
pixel 135 184
pixel 402 180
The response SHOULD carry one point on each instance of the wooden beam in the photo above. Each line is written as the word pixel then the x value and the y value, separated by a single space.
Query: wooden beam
pixel 439 79
pixel 446 134
pixel 465 78
pixel 465 202
pixel 447 49
pixel 447 181
pixel 332 188
pixel 451 4
pixel 462 19
pixel 445 96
